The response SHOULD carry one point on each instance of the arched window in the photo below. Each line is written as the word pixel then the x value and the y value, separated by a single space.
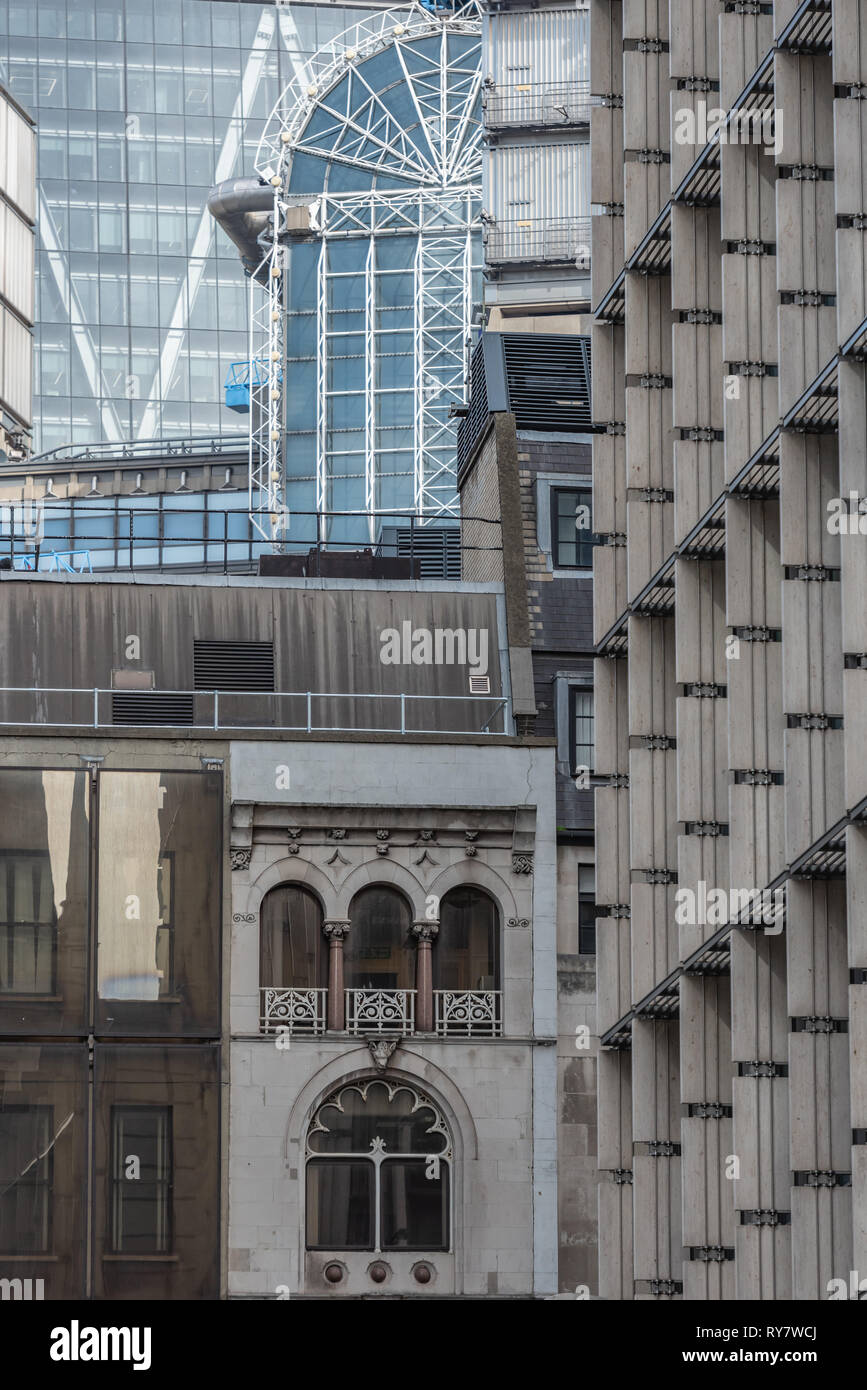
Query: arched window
pixel 378 1168
pixel 379 952
pixel 466 955
pixel 291 951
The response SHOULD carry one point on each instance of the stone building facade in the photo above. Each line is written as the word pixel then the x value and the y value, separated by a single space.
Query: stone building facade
pixel 482 1060
pixel 537 482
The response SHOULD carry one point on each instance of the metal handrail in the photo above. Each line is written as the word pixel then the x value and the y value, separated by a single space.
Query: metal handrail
pixel 147 448
pixel 120 547
pixel 537 103
pixel 218 723
pixel 565 240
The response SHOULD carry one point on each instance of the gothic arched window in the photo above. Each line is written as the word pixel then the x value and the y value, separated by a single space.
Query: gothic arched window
pixel 290 941
pixel 379 1156
pixel 467 949
pixel 379 952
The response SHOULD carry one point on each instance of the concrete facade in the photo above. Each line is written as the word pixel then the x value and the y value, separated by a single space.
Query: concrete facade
pixel 728 391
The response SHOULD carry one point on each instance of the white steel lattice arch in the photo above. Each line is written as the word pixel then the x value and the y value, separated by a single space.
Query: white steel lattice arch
pixel 422 177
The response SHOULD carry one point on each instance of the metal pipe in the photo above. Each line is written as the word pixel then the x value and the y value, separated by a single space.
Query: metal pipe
pixel 243 208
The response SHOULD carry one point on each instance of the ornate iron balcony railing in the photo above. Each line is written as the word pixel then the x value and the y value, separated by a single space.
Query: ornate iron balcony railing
pixel 457 1013
pixel 380 1011
pixel 468 1013
pixel 298 1011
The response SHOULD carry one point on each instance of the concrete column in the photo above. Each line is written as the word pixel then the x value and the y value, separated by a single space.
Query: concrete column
pixel 336 934
pixel 425 934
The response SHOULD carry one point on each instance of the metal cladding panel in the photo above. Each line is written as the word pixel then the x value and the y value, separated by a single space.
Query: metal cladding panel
pixel 300 620
pixel 16 367
pixel 539 182
pixel 17 159
pixel 16 262
pixel 547 46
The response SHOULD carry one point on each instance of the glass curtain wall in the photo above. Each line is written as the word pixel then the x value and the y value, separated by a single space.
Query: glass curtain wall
pixel 141 106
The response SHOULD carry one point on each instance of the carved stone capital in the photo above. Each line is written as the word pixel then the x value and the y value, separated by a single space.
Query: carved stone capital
pixel 522 863
pixel 240 858
pixel 425 931
pixel 336 931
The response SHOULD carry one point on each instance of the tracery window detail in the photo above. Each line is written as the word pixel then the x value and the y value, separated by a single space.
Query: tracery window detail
pixel 379 1159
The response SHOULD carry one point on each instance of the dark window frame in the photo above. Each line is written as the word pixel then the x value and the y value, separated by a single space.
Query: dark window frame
pixel 575 690
pixel 116 1178
pixel 167 983
pixel 8 922
pixel 44 1183
pixel 584 545
pixel 586 915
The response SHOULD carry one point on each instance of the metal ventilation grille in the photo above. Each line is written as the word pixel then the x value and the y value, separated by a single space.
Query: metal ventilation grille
pixel 473 423
pixel 548 379
pixel 150 707
pixel 438 552
pixel 233 665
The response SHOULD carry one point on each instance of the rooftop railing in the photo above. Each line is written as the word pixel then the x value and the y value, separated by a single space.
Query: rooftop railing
pixel 196 445
pixel 538 105
pixel 168 534
pixel 269 711
pixel 557 240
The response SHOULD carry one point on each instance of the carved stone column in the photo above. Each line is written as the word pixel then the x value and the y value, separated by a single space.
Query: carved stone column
pixel 425 934
pixel 336 934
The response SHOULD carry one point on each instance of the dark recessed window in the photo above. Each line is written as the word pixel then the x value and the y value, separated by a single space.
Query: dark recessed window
pixel 26 1177
pixel 165 932
pixel 141 1179
pixel 379 952
pixel 290 948
pixel 378 1158
pixel 586 910
pixel 465 956
pixel 582 751
pixel 28 923
pixel 571 528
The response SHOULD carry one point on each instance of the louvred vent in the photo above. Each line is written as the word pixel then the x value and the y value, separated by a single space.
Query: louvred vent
pixel 548 378
pixel 233 665
pixel 150 707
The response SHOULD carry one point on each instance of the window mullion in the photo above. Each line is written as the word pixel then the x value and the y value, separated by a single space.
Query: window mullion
pixel 377 1204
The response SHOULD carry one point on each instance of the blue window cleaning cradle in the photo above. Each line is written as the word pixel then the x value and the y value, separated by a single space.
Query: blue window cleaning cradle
pixel 237 386
pixel 239 380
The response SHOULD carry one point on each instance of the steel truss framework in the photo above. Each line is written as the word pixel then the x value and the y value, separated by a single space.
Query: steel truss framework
pixel 420 148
